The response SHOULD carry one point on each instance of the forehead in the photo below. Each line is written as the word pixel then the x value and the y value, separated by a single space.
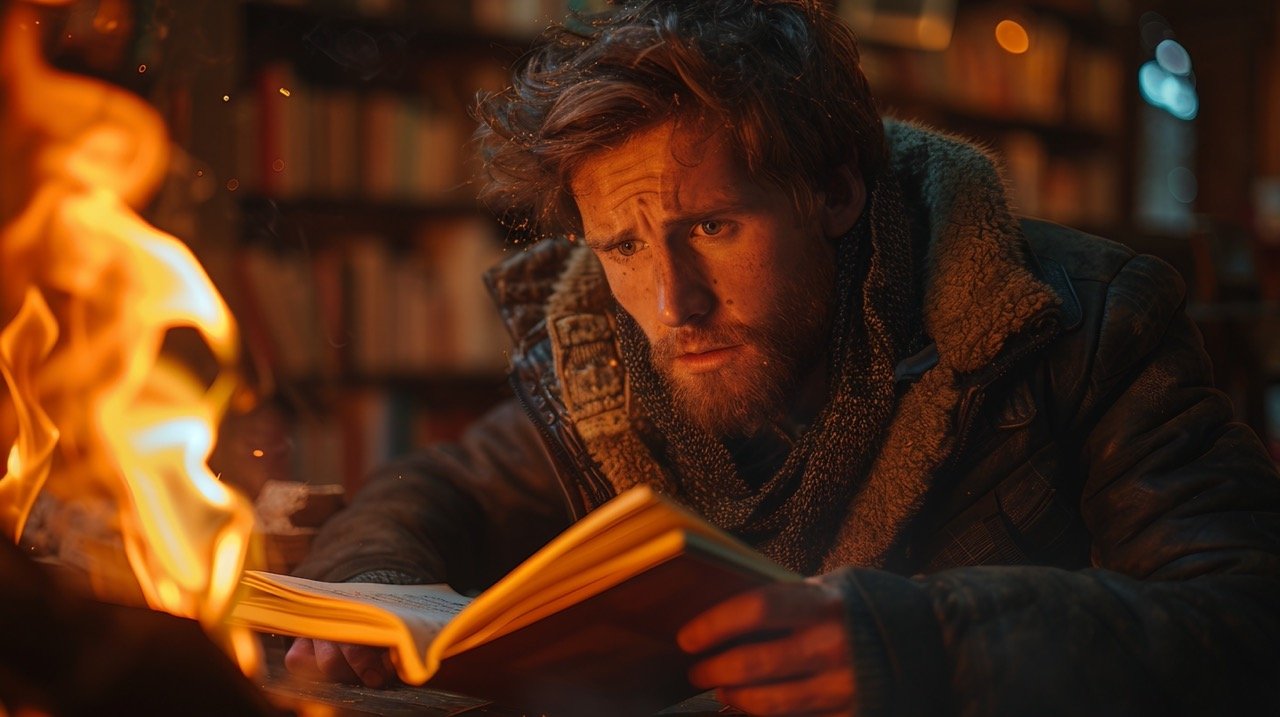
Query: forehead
pixel 668 167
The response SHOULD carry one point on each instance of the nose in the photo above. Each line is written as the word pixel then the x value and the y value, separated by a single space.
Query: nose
pixel 683 294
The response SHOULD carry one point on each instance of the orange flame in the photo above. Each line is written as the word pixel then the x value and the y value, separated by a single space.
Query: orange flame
pixel 24 344
pixel 95 405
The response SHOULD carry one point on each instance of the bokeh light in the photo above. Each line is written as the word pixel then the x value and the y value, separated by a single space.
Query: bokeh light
pixel 1173 93
pixel 1183 185
pixel 1154 29
pixel 1012 37
pixel 1173 57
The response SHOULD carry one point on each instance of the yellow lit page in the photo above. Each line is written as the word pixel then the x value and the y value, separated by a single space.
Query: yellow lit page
pixel 405 617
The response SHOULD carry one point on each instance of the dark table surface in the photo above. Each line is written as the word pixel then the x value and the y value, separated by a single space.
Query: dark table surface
pixel 312 699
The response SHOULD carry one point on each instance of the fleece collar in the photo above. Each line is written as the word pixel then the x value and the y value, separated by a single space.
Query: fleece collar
pixel 983 305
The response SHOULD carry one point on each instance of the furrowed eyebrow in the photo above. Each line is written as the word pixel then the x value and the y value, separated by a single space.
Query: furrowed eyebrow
pixel 702 214
pixel 598 243
pixel 712 209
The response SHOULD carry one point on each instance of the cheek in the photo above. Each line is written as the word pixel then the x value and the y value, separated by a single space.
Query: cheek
pixel 745 287
pixel 630 289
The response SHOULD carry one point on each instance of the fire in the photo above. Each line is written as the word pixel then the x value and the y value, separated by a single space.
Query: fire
pixel 97 411
pixel 24 344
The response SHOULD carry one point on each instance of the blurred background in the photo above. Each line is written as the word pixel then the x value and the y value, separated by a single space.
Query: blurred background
pixel 322 162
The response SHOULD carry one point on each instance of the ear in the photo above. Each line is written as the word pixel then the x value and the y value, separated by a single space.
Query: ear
pixel 843 200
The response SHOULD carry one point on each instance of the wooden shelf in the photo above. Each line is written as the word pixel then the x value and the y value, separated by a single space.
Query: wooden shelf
pixel 296 221
pixel 445 382
pixel 344 42
pixel 330 209
pixel 427 391
pixel 1060 133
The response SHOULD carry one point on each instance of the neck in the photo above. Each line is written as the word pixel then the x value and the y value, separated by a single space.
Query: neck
pixel 761 454
pixel 810 396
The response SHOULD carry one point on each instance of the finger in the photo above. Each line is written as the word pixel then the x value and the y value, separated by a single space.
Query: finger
pixel 815 649
pixel 301 659
pixel 831 691
pixel 332 663
pixel 371 664
pixel 773 607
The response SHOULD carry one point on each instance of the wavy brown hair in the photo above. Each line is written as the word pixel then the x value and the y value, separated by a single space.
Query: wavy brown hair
pixel 780 77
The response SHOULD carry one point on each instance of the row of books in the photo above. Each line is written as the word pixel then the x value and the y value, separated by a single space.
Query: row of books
pixel 296 139
pixel 526 17
pixel 1081 189
pixel 336 434
pixel 1095 84
pixel 513 18
pixel 1056 80
pixel 367 307
pixel 363 427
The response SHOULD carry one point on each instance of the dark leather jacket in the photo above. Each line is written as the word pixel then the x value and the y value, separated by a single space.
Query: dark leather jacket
pixel 1100 538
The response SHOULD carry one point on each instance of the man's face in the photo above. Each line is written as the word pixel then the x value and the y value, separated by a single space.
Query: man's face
pixel 730 286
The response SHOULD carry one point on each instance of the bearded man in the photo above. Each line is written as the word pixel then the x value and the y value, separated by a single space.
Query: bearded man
pixel 992 442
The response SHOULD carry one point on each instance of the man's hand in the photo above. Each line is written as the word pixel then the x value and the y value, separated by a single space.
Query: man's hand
pixel 337 662
pixel 782 649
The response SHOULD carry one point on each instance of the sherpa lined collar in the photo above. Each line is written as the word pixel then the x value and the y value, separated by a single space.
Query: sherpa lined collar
pixel 981 285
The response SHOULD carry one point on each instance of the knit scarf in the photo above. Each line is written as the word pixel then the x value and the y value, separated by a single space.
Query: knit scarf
pixel 794 515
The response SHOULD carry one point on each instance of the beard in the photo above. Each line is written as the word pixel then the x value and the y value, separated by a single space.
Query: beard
pixel 760 381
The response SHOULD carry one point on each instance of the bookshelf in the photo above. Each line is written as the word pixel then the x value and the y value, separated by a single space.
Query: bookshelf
pixel 345 232
pixel 1055 113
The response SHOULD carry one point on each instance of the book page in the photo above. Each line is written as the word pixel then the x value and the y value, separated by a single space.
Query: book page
pixel 429 603
pixel 424 609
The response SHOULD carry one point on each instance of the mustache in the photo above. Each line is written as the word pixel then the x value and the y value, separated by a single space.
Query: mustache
pixel 697 339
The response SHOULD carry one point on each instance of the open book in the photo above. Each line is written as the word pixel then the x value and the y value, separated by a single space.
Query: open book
pixel 585 626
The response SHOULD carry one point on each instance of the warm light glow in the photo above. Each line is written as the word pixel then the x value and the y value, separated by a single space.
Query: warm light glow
pixel 95 407
pixel 1012 37
pixel 228 563
pixel 933 32
pixel 245 649
pixel 285 91
pixel 257 453
pixel 24 345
